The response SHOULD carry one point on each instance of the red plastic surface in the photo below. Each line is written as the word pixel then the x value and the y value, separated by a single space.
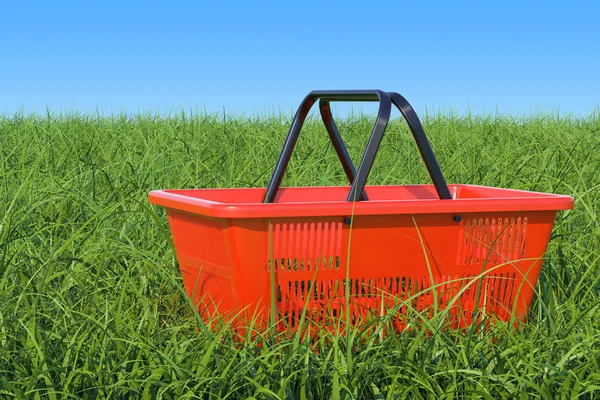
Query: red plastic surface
pixel 330 201
pixel 406 250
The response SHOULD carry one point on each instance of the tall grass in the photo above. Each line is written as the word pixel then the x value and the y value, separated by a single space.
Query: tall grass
pixel 92 305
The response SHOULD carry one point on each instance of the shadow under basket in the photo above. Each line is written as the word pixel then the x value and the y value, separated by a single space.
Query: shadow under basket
pixel 396 251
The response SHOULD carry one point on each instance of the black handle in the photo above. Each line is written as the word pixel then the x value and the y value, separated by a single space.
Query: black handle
pixel 358 178
pixel 326 96
pixel 416 128
pixel 414 124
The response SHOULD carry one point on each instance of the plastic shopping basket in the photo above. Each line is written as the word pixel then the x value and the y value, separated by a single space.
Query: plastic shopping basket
pixel 299 251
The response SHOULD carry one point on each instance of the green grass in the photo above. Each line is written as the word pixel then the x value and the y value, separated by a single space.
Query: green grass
pixel 91 301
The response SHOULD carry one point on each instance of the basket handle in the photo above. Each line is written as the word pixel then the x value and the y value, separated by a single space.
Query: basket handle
pixel 357 178
pixel 325 96
pixel 338 144
pixel 423 145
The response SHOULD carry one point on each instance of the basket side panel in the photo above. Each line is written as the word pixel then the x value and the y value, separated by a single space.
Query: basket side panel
pixel 202 253
pixel 199 237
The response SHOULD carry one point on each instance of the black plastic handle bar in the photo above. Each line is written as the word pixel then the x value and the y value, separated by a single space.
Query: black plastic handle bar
pixel 383 117
pixel 338 143
pixel 358 178
pixel 414 124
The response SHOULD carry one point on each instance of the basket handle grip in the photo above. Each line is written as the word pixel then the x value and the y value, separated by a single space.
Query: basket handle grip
pixel 326 96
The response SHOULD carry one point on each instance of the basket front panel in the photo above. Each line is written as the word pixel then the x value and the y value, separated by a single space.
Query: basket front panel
pixel 480 262
pixel 491 241
pixel 323 301
pixel 306 246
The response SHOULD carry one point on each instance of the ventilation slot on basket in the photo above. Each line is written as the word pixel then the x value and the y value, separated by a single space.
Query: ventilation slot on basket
pixel 199 238
pixel 491 240
pixel 323 301
pixel 306 246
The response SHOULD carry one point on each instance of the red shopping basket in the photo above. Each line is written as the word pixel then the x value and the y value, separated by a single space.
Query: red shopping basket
pixel 300 251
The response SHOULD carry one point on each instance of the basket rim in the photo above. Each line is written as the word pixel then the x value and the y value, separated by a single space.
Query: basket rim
pixel 492 200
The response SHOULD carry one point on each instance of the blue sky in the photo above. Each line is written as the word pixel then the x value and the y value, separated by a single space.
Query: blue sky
pixel 514 57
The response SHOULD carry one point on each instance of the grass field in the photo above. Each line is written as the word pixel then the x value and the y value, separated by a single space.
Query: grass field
pixel 91 301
